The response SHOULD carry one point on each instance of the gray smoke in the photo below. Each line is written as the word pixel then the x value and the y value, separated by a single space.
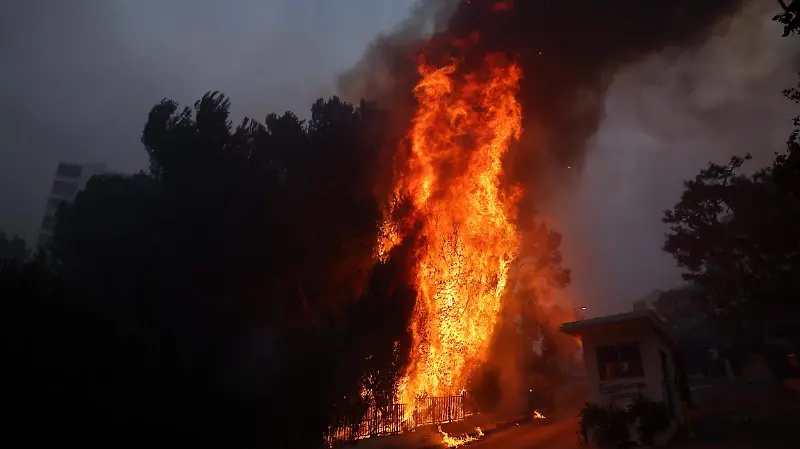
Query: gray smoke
pixel 665 118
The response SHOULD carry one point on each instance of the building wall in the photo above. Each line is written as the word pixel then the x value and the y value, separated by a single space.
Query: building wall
pixel 68 180
pixel 672 382
pixel 605 391
pixel 651 384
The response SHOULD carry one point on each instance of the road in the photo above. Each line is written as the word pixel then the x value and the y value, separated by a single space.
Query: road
pixel 772 415
pixel 549 435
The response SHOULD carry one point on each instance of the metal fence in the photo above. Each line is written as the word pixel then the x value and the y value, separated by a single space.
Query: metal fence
pixel 391 420
pixel 439 410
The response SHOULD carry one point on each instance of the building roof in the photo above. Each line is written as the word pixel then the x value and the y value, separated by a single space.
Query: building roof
pixel 579 327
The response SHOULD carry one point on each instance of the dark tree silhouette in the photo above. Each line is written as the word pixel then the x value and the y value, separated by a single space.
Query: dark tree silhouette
pixel 13 248
pixel 239 273
pixel 790 17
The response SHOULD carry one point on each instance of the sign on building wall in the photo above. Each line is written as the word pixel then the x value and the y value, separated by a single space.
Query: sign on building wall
pixel 622 391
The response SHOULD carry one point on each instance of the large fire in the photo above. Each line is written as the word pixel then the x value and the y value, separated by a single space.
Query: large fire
pixel 464 123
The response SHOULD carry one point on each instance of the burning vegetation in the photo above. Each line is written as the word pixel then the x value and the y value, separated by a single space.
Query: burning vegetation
pixel 460 215
pixel 451 441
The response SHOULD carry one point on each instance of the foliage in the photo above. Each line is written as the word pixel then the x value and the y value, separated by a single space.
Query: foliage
pixel 106 238
pixel 698 329
pixel 681 312
pixel 13 248
pixel 241 247
pixel 610 424
pixel 651 417
pixel 74 359
pixel 790 17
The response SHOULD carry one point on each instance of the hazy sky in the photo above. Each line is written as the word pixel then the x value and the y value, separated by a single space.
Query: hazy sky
pixel 79 77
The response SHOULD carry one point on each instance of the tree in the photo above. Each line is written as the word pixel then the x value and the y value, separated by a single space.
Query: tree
pixel 736 238
pixel 106 238
pixel 241 247
pixel 790 17
pixel 696 329
pixel 76 363
pixel 13 248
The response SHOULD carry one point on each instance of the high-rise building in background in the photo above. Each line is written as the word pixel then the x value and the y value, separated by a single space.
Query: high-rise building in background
pixel 68 180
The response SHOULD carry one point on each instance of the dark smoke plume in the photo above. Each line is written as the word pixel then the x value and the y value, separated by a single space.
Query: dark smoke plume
pixel 569 51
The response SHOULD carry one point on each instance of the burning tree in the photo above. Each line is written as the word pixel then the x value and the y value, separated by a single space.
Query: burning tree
pixel 464 218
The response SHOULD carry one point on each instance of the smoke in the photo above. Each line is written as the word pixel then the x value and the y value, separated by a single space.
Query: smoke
pixel 622 100
pixel 388 60
pixel 528 349
pixel 569 51
pixel 666 116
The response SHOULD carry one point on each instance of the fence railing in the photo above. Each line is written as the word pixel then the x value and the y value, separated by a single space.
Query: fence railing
pixel 390 420
pixel 437 410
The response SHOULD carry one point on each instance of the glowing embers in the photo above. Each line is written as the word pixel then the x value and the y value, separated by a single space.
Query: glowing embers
pixel 450 441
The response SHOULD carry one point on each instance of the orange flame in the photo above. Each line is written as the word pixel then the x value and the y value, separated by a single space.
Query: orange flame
pixel 463 126
pixel 505 5
pixel 451 441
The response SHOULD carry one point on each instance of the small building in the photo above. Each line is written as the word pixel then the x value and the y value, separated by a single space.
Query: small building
pixel 627 355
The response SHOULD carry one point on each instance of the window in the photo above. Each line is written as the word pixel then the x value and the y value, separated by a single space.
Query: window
pixel 62 188
pixel 69 170
pixel 619 361
pixel 48 223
